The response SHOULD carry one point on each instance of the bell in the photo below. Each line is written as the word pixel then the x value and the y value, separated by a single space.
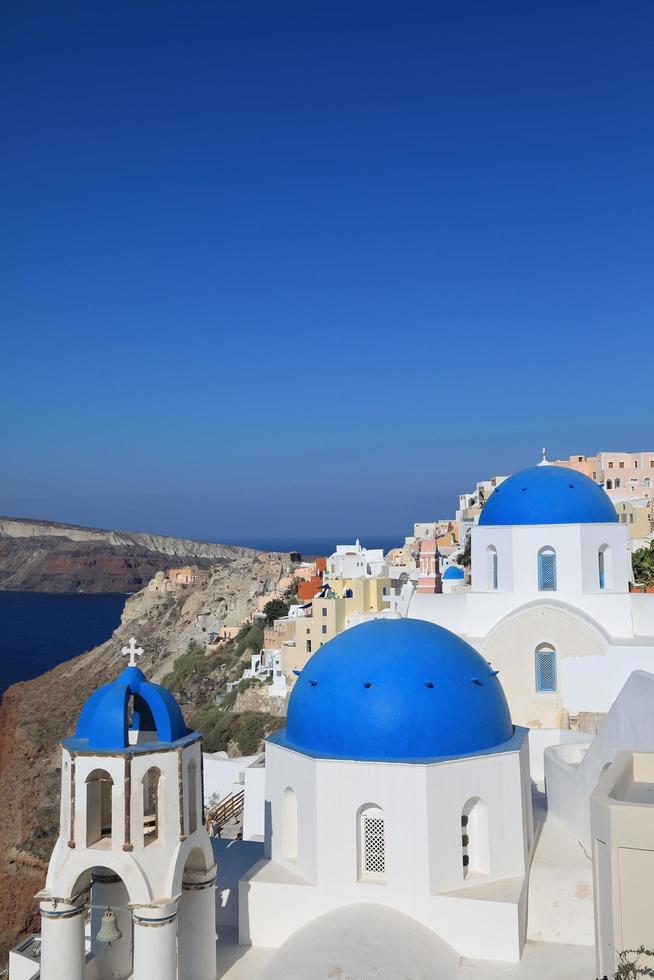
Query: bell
pixel 109 931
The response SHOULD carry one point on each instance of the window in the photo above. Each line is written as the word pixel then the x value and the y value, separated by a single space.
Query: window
pixel 545 669
pixel 289 824
pixel 491 563
pixel 611 465
pixel 651 463
pixel 621 465
pixel 324 628
pixel 617 483
pixel 474 838
pixel 647 483
pixel 372 843
pixel 605 567
pixel 308 646
pixel 192 797
pixel 547 570
pixel 99 788
pixel 152 785
pixel 609 484
pixel 635 464
pixel 324 610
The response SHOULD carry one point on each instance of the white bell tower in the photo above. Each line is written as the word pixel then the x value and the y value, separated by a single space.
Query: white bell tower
pixel 132 851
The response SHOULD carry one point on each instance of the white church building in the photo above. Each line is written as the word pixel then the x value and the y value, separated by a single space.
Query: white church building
pixel 132 849
pixel 399 780
pixel 549 602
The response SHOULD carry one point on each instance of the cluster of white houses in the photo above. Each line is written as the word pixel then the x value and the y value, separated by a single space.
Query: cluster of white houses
pixel 398 796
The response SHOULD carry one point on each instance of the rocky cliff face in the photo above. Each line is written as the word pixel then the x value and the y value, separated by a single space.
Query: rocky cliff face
pixel 38 556
pixel 34 715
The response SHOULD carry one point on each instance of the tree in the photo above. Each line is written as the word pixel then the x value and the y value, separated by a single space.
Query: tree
pixel 274 609
pixel 629 965
pixel 643 564
pixel 464 558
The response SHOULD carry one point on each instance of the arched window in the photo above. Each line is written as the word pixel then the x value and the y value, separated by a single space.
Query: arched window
pixel 605 567
pixel 491 566
pixel 647 483
pixel 192 797
pixel 99 789
pixel 474 838
pixel 547 570
pixel 609 484
pixel 545 668
pixel 617 483
pixel 152 809
pixel 372 843
pixel 289 824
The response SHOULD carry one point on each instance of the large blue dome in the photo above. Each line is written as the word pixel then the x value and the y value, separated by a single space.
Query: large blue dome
pixel 129 712
pixel 396 690
pixel 548 495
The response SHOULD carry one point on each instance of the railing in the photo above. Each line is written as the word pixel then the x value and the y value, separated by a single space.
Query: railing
pixel 227 809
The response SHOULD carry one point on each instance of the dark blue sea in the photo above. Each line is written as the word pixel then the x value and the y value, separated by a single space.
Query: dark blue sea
pixel 39 631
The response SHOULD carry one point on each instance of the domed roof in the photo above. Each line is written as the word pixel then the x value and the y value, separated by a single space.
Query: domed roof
pixel 548 495
pixel 396 690
pixel 105 719
pixel 454 571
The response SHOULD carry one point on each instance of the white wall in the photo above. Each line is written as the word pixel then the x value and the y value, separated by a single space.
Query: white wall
pixel 255 803
pixel 571 775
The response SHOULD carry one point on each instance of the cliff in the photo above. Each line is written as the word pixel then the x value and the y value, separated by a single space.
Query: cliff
pixel 42 556
pixel 34 715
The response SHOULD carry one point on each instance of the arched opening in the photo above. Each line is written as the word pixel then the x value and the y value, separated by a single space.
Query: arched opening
pixel 547 570
pixel 475 849
pixel 192 797
pixel 99 792
pixel 491 567
pixel 153 783
pixel 605 567
pixel 289 825
pixel 609 484
pixel 647 483
pixel 108 891
pixel 545 668
pixel 371 843
pixel 617 483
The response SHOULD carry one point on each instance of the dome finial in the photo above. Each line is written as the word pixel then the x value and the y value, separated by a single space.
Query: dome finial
pixel 544 461
pixel 132 651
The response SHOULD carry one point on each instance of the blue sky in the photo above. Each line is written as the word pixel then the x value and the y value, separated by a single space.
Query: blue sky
pixel 291 271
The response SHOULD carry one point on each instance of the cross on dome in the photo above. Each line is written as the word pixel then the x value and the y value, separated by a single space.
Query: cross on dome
pixel 132 651
pixel 544 461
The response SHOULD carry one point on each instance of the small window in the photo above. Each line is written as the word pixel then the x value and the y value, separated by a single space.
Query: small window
pixel 308 646
pixel 372 843
pixel 609 484
pixel 289 824
pixel 324 628
pixel 547 570
pixel 491 561
pixel 621 465
pixel 611 465
pixel 545 669
pixel 324 610
pixel 617 483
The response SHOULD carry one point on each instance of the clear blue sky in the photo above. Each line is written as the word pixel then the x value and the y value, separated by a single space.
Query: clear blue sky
pixel 300 270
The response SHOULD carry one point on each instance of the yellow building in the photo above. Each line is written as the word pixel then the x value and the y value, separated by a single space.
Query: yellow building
pixel 329 616
pixel 639 520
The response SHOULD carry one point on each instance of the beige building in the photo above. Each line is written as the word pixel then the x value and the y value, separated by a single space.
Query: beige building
pixel 329 616
pixel 622 827
pixel 638 516
pixel 623 474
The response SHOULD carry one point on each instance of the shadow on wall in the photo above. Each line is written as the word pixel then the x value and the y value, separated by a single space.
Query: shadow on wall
pixel 234 859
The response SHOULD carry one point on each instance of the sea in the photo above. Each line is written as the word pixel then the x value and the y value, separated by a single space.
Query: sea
pixel 40 630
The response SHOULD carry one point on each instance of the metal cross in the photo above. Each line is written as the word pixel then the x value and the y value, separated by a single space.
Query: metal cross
pixel 132 651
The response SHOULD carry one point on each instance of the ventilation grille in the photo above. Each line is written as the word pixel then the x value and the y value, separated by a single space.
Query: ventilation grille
pixel 374 858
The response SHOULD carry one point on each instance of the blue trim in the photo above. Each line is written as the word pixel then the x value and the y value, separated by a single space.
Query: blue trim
pixel 511 745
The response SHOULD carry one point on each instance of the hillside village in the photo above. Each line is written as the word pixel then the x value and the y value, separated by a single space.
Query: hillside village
pixel 497 667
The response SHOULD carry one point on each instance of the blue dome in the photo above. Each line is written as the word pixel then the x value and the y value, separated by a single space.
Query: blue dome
pixel 454 571
pixel 396 690
pixel 105 724
pixel 548 495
